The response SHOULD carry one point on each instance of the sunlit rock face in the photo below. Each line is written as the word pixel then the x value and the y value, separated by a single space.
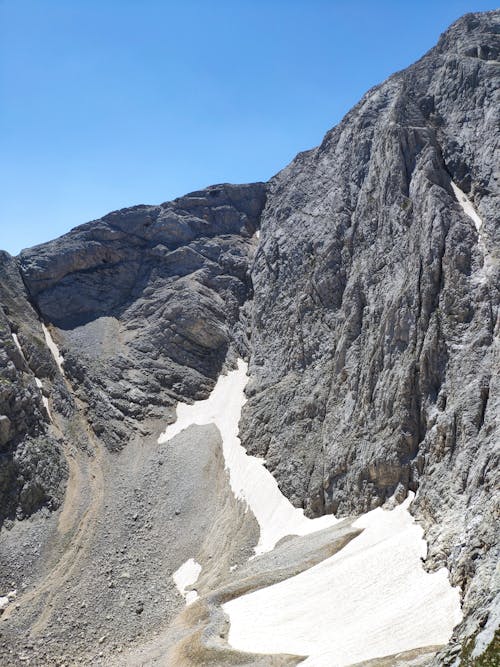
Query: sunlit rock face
pixel 361 287
pixel 147 301
pixel 373 366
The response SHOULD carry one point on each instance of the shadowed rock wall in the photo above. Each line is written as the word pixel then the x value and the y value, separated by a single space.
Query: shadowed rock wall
pixel 32 468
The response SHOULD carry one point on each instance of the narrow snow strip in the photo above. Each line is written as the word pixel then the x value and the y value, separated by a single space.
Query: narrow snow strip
pixel 38 382
pixel 250 480
pixel 371 599
pixel 483 275
pixel 467 206
pixel 257 233
pixel 45 400
pixel 53 348
pixel 187 575
pixel 18 345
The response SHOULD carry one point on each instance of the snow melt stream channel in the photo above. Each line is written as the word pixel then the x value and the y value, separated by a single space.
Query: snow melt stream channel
pixel 371 599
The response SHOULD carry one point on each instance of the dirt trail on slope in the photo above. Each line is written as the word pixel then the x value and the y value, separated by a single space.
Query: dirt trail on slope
pixel 81 467
pixel 82 536
pixel 69 512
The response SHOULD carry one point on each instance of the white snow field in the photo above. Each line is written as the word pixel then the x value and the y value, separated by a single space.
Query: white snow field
pixel 59 359
pixel 45 400
pixel 18 345
pixel 187 575
pixel 249 479
pixel 371 599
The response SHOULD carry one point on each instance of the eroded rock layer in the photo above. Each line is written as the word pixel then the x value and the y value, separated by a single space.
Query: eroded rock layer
pixel 147 300
pixel 32 467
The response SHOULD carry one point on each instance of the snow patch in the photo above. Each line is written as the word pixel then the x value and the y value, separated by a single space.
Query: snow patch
pixel 187 575
pixel 372 598
pixel 59 359
pixel 483 274
pixel 250 480
pixel 38 382
pixel 45 400
pixel 18 345
pixel 257 234
pixel 467 206
pixel 5 600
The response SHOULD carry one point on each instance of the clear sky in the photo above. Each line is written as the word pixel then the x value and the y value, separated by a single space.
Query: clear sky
pixel 111 103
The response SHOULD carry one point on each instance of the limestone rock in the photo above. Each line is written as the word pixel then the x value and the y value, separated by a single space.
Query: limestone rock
pixel 146 301
pixel 374 325
pixel 367 308
pixel 32 469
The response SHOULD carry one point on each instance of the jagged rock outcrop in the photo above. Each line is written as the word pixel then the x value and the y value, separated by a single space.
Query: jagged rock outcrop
pixel 367 309
pixel 374 364
pixel 32 468
pixel 147 302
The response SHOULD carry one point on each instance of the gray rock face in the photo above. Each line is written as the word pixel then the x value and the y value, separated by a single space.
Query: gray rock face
pixel 32 469
pixel 374 362
pixel 147 302
pixel 367 309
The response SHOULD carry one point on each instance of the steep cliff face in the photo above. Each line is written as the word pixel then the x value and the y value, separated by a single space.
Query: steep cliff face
pixel 146 302
pixel 367 308
pixel 374 366
pixel 32 467
pixel 141 310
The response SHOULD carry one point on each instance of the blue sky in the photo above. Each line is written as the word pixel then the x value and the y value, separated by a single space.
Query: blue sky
pixel 111 103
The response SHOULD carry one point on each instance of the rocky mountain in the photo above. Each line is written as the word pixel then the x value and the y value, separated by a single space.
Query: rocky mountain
pixel 33 470
pixel 361 284
pixel 374 321
pixel 147 302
